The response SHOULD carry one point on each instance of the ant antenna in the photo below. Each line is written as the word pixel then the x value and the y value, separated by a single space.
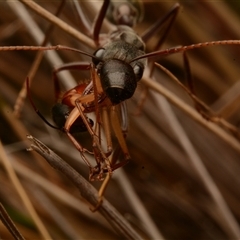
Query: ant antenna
pixel 178 49
pixel 45 48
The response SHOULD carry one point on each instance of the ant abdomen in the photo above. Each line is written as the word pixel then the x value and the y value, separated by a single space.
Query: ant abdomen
pixel 60 113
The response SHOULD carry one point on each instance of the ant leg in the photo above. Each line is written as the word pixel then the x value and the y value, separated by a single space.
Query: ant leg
pixel 189 77
pixel 203 109
pixel 98 22
pixel 78 112
pixel 69 122
pixel 113 160
pixel 106 181
pixel 99 154
pixel 200 106
pixel 102 116
pixel 171 17
pixel 119 133
pixel 107 131
pixel 73 115
pixel 206 112
pixel 94 30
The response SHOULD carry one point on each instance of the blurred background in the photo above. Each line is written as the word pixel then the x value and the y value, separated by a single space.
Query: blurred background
pixel 184 171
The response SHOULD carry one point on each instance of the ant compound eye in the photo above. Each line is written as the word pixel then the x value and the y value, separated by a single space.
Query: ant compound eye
pixel 98 54
pixel 138 71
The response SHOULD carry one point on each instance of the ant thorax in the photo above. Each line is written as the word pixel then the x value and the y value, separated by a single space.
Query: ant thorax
pixel 127 34
pixel 120 50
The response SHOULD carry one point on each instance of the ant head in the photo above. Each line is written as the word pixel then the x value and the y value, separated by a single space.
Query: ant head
pixel 118 75
pixel 119 79
pixel 125 14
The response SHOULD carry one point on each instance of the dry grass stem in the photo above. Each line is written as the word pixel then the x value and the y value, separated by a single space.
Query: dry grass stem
pixel 22 193
pixel 7 221
pixel 86 189
pixel 65 27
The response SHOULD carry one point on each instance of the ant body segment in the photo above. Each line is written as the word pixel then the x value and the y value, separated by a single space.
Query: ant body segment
pixel 61 111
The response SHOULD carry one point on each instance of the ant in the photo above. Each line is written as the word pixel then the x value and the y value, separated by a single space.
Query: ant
pixel 70 117
pixel 116 81
pixel 113 82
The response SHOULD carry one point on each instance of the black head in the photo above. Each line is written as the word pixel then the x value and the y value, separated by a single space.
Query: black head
pixel 119 79
pixel 118 73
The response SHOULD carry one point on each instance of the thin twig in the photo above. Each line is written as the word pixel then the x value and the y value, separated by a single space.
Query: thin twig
pixel 57 215
pixel 203 109
pixel 226 217
pixel 22 193
pixel 37 34
pixel 192 113
pixel 87 191
pixel 58 22
pixel 137 205
pixel 9 224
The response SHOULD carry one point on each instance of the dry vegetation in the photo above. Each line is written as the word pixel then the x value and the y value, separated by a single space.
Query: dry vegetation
pixel 183 180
